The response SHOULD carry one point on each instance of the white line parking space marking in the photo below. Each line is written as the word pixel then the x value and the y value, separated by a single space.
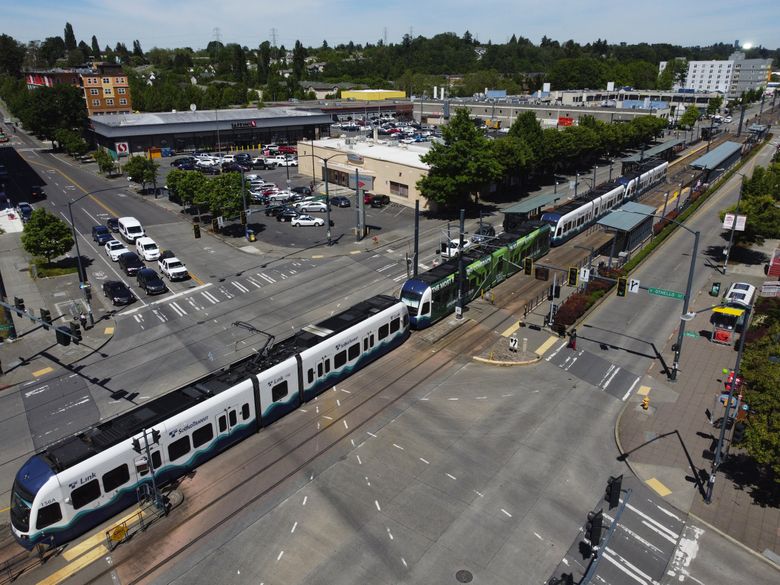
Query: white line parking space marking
pixel 239 286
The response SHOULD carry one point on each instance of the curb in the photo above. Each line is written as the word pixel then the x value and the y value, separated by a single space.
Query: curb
pixel 504 363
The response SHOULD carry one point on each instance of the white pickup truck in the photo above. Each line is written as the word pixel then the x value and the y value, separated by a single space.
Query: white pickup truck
pixel 451 249
pixel 173 268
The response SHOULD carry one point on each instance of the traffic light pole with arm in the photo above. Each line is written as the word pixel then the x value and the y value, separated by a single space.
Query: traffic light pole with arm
pixel 83 283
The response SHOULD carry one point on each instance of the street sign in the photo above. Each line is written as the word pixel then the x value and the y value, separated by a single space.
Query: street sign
pixel 669 294
pixel 633 286
pixel 728 222
pixel 584 274
pixel 122 148
pixel 692 334
pixel 513 343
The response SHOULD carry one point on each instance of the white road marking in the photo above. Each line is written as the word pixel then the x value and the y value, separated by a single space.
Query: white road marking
pixel 537 535
pixel 304 500
pixel 239 286
pixel 631 389
pixel 264 276
pixel 398 446
pixel 612 377
pixel 346 391
pixel 225 292
pixel 253 281
pixel 326 416
pixel 210 297
pixel 479 494
pixel 280 556
pixel 159 315
pixel 624 569
pixel 505 512
pixel 138 318
pixel 672 536
pixel 178 309
pixel 559 348
pixel 282 275
pixel 359 461
pixel 403 560
pixel 452 477
pixel 346 426
pixel 424 266
pixel 376 502
pixel 631 566
pixel 371 434
pixel 193 304
pixel 451 398
pixel 400 277
pixel 294 527
pixel 424 461
pixel 385 267
pixel 390 534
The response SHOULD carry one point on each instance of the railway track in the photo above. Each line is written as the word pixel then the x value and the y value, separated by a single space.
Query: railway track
pixel 293 448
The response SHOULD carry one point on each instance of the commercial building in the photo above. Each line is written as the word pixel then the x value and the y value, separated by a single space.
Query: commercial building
pixel 126 134
pixel 730 77
pixel 381 167
pixel 373 94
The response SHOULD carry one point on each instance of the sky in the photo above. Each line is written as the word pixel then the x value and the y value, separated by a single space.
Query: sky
pixel 194 23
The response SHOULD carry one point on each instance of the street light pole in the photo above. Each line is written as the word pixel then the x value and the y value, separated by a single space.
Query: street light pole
pixel 576 181
pixel 327 200
pixel 686 301
pixel 83 284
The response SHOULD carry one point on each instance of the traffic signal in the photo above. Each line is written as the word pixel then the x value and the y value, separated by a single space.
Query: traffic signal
pixel 528 266
pixel 87 291
pixel 46 318
pixel 19 304
pixel 622 286
pixel 572 276
pixel 155 436
pixel 739 433
pixel 243 217
pixel 196 230
pixel 731 380
pixel 593 527
pixel 613 491
pixel 75 331
pixel 62 335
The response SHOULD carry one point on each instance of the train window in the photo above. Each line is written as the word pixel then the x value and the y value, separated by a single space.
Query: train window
pixel 116 477
pixel 371 340
pixel 202 435
pixel 340 359
pixel 319 370
pixel 245 412
pixel 310 376
pixel 279 391
pixel 384 331
pixel 48 515
pixel 232 418
pixel 395 324
pixel 156 459
pixel 179 448
pixel 365 344
pixel 81 496
pixel 354 351
pixel 222 423
pixel 406 319
pixel 426 308
pixel 327 365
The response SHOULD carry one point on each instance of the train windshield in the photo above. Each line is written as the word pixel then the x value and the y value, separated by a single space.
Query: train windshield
pixel 21 503
pixel 411 299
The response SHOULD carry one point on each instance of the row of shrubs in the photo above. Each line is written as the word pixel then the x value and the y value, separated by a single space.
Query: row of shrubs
pixel 578 303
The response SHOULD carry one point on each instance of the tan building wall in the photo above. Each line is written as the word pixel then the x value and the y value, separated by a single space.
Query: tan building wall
pixel 106 93
pixel 397 179
pixel 373 94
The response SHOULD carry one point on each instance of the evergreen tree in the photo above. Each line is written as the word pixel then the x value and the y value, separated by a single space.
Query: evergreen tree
pixel 52 48
pixel 70 38
pixel 11 56
pixel 95 47
pixel 137 51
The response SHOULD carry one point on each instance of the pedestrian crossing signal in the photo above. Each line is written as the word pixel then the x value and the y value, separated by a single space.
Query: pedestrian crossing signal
pixel 572 276
pixel 196 230
pixel 622 286
pixel 528 266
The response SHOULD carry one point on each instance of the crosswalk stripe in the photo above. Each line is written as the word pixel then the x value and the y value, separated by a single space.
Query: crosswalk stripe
pixel 178 309
pixel 266 277
pixel 400 277
pixel 253 281
pixel 239 286
pixel 159 315
pixel 209 297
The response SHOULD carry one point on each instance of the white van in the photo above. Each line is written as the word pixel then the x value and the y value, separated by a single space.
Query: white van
pixel 130 229
pixel 147 249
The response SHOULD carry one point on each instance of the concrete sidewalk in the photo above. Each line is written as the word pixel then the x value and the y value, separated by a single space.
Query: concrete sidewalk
pixel 670 446
pixel 35 352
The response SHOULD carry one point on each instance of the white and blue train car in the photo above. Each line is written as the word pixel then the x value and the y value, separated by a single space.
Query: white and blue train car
pixel 83 480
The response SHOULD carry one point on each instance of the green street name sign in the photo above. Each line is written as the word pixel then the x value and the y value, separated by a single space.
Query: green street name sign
pixel 691 334
pixel 669 294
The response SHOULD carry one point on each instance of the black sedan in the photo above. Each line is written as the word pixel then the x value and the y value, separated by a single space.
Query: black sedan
pixel 287 214
pixel 150 281
pixel 117 292
pixel 340 201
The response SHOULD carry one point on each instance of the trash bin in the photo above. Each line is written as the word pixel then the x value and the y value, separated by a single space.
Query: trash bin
pixel 250 235
pixel 715 290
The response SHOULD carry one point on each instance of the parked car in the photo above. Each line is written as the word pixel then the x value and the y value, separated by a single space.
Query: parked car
pixel 184 161
pixel 380 200
pixel 209 170
pixel 114 249
pixel 309 206
pixel 305 220
pixel 302 190
pixel 259 162
pixel 101 234
pixel 147 249
pixel 150 282
pixel 117 292
pixel 173 268
pixel 25 211
pixel 233 167
pixel 258 197
pixel 274 210
pixel 112 223
pixel 287 214
pixel 482 233
pixel 36 192
pixel 130 263
pixel 340 201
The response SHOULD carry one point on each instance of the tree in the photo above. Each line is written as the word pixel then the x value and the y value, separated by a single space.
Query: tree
pixel 762 393
pixel 47 236
pixel 185 185
pixel 690 117
pixel 48 109
pixel 105 161
pixel 714 105
pixel 11 56
pixel 460 166
pixel 52 48
pixel 137 51
pixel 71 141
pixel 70 38
pixel 299 60
pixel 142 170
pixel 95 47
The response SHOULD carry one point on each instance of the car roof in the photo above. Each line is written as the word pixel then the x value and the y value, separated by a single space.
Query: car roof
pixel 145 240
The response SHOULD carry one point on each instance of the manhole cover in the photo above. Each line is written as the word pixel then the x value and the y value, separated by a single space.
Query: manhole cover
pixel 464 576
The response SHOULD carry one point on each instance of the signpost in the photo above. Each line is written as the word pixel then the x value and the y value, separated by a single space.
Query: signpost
pixel 669 294
pixel 633 285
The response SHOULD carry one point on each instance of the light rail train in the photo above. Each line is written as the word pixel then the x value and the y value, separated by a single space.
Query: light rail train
pixel 83 480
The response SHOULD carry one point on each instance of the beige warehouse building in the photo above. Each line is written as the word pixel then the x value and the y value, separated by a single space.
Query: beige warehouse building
pixel 381 167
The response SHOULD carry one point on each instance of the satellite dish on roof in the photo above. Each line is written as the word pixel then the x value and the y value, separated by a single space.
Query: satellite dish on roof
pixel 193 107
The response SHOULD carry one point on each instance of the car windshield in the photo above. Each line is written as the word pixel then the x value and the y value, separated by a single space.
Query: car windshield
pixel 114 245
pixel 150 246
pixel 134 229
pixel 175 265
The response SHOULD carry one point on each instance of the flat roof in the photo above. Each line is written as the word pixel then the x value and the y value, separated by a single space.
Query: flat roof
pixel 627 217
pixel 536 202
pixel 388 151
pixel 716 156
pixel 655 150
pixel 186 117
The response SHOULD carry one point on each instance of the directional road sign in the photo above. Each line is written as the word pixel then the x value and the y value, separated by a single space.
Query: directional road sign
pixel 669 294
pixel 584 274
pixel 633 286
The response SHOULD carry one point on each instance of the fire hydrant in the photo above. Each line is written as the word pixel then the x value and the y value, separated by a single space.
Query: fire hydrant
pixel 645 402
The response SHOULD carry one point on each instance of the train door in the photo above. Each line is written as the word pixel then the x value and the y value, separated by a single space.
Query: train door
pixel 227 420
pixel 368 342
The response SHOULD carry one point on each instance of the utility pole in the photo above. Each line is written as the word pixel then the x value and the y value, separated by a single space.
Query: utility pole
pixel 416 256
pixel 461 267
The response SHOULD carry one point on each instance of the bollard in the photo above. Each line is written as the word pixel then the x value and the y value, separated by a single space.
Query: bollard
pixel 525 344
